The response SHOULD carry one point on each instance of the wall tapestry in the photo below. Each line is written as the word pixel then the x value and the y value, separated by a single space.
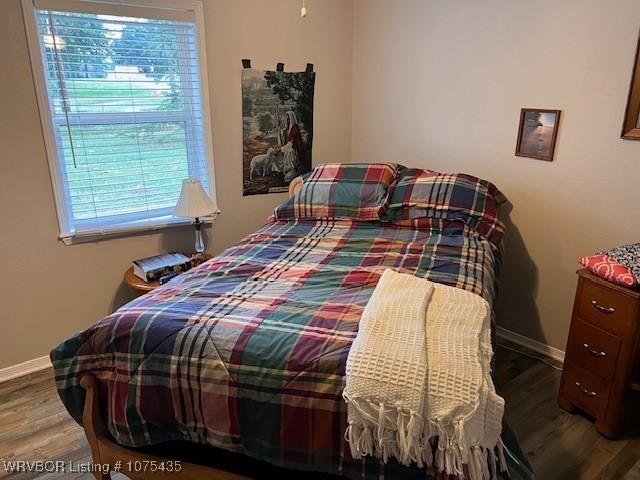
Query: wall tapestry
pixel 277 126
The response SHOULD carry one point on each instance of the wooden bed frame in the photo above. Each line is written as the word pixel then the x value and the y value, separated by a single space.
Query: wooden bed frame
pixel 294 186
pixel 106 452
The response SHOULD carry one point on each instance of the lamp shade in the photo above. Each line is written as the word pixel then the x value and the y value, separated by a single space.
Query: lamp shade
pixel 194 201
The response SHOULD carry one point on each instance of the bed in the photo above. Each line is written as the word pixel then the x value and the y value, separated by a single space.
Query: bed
pixel 246 353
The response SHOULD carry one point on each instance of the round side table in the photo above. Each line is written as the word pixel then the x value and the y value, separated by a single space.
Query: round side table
pixel 140 286
pixel 137 284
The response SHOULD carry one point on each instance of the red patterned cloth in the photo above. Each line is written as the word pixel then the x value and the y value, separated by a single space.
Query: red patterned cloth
pixel 609 269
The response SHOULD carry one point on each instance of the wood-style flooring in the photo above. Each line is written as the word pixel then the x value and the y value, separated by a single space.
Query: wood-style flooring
pixel 35 426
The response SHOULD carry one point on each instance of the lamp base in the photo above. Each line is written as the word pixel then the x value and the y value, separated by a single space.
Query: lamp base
pixel 199 239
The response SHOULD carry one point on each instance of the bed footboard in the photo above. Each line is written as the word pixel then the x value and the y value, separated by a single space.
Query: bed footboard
pixel 132 463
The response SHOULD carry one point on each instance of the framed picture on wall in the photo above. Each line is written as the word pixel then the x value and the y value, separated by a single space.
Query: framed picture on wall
pixel 537 133
pixel 631 126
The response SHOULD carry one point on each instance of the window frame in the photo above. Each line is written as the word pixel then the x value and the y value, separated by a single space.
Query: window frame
pixel 49 119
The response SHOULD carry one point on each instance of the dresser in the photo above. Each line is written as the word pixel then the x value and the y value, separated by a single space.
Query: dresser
pixel 601 374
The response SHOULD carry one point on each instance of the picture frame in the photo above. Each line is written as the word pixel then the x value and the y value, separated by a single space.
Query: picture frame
pixel 631 125
pixel 537 133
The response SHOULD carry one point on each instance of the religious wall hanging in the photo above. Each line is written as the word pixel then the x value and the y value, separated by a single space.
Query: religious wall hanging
pixel 277 127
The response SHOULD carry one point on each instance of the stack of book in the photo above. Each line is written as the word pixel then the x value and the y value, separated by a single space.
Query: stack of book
pixel 151 269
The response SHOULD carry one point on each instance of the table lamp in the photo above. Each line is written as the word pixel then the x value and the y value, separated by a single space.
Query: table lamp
pixel 195 203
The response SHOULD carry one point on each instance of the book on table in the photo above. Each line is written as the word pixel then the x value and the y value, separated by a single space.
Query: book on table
pixel 152 268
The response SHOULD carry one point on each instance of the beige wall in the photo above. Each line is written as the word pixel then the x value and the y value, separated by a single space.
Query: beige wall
pixel 49 290
pixel 435 84
pixel 440 84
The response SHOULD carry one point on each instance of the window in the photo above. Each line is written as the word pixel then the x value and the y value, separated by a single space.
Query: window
pixel 121 99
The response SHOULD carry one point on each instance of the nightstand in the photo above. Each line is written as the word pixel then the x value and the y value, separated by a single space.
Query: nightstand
pixel 140 286
pixel 601 366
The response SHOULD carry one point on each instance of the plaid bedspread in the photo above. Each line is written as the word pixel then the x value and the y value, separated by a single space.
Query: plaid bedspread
pixel 247 352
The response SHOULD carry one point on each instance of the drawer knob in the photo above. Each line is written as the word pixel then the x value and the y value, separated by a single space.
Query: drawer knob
pixel 595 353
pixel 601 308
pixel 585 391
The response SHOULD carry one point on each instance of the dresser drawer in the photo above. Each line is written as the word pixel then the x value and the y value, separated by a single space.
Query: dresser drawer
pixel 604 308
pixel 593 349
pixel 585 389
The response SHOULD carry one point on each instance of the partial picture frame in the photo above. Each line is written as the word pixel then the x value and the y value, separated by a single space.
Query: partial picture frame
pixel 537 133
pixel 631 125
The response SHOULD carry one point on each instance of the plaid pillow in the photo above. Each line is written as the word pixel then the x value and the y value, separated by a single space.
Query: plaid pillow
pixel 451 196
pixel 352 190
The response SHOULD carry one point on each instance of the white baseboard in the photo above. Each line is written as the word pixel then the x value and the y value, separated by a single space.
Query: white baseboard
pixel 24 368
pixel 534 345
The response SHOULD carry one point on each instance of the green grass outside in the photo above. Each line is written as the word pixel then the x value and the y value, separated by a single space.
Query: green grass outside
pixel 121 168
pixel 115 96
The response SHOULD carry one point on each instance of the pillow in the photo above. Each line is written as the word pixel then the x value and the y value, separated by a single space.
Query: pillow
pixel 450 196
pixel 608 268
pixel 353 190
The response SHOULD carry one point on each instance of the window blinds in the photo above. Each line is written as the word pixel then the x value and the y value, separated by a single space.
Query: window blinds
pixel 126 113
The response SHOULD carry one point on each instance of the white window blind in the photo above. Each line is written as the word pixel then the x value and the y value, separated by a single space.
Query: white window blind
pixel 126 113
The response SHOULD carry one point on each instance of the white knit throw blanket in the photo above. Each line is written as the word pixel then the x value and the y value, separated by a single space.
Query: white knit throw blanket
pixel 418 384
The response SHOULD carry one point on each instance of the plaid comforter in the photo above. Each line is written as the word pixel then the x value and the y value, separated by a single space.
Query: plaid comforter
pixel 247 352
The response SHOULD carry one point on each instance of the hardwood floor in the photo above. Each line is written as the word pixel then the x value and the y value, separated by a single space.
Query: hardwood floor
pixel 558 445
pixel 35 426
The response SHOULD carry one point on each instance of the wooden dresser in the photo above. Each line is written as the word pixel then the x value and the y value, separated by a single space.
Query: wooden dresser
pixel 601 374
